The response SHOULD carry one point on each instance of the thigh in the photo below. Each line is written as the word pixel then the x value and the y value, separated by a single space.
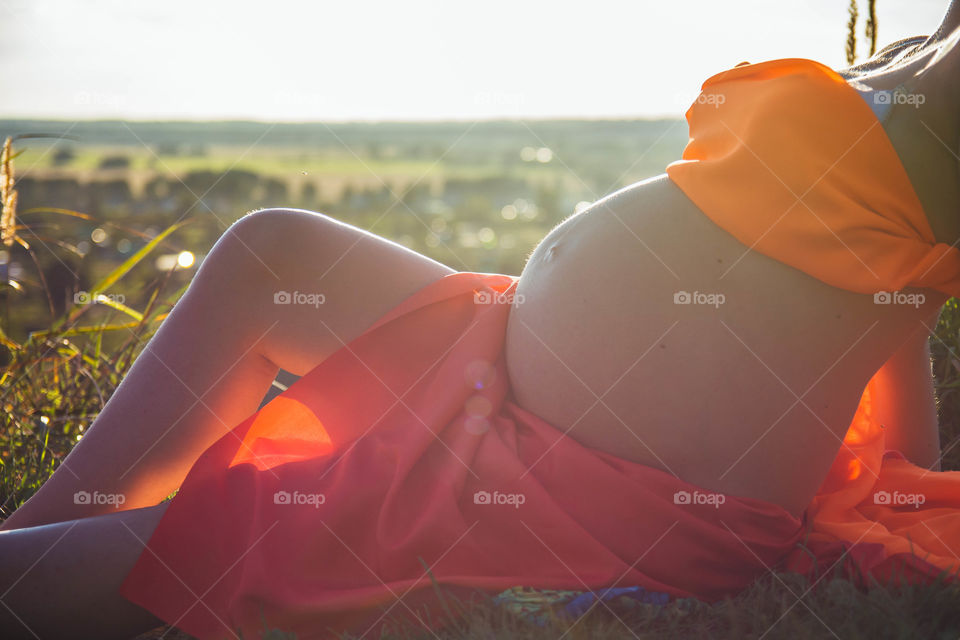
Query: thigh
pixel 328 281
pixel 60 580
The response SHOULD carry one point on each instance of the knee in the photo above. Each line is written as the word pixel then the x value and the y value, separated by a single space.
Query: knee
pixel 266 241
pixel 267 230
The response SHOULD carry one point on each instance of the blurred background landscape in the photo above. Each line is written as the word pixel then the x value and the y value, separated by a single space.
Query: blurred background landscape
pixel 475 196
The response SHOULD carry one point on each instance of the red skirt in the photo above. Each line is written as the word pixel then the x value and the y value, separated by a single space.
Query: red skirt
pixel 402 459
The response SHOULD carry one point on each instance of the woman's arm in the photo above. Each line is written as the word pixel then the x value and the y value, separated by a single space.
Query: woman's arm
pixel 905 402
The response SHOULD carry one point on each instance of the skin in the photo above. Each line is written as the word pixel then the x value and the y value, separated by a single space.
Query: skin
pixel 707 394
pixel 597 320
pixel 60 580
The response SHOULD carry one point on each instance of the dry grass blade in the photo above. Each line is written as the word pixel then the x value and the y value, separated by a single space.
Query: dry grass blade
pixel 8 196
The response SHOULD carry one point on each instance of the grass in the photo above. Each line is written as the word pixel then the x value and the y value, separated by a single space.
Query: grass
pixel 770 608
pixel 778 605
pixel 53 384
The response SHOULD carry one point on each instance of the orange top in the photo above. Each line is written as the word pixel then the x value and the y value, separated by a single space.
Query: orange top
pixel 789 159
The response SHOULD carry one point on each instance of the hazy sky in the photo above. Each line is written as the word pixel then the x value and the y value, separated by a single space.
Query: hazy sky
pixel 408 59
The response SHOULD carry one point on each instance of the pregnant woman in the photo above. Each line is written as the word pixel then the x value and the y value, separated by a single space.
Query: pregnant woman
pixel 702 377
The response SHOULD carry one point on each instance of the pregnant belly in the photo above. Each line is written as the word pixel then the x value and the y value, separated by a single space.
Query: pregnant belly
pixel 646 331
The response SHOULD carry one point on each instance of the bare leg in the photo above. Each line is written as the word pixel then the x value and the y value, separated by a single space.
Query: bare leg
pixel 60 580
pixel 215 355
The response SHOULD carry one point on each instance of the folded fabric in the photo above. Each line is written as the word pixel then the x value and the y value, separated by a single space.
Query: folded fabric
pixel 404 452
pixel 789 159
